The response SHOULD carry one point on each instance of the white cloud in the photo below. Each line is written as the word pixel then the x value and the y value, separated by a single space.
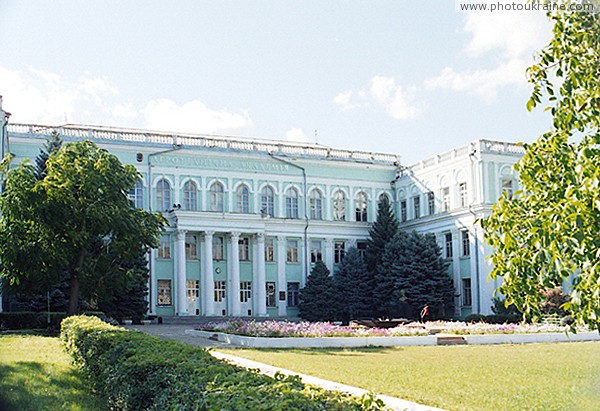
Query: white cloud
pixel 344 100
pixel 396 100
pixel 125 110
pixel 296 134
pixel 481 83
pixel 193 117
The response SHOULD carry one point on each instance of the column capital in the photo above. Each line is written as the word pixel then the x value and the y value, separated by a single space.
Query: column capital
pixel 209 234
pixel 180 234
pixel 281 238
pixel 235 234
pixel 329 241
pixel 260 237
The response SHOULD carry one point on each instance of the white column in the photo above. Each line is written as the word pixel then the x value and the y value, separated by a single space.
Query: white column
pixel 152 292
pixel 456 252
pixel 233 297
pixel 180 274
pixel 176 192
pixel 329 254
pixel 281 280
pixel 304 261
pixel 261 292
pixel 254 278
pixel 475 285
pixel 208 281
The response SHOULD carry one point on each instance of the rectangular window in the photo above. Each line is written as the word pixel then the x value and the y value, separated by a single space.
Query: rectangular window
pixel 193 289
pixel 462 194
pixel 245 291
pixel 339 250
pixel 467 299
pixel 292 251
pixel 403 211
pixel 220 291
pixel 445 198
pixel 293 294
pixel 244 248
pixel 269 250
pixel 164 247
pixel 164 292
pixel 271 300
pixel 191 247
pixel 448 238
pixel 362 248
pixel 136 194
pixel 430 203
pixel 507 187
pixel 315 251
pixel 417 206
pixel 217 248
pixel 466 245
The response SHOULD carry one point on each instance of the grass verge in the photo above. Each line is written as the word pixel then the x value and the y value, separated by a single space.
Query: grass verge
pixel 36 374
pixel 500 377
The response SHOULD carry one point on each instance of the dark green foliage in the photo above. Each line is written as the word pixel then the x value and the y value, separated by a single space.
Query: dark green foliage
pixel 510 313
pixel 30 320
pixel 53 144
pixel 135 371
pixel 318 300
pixel 554 302
pixel 352 285
pixel 413 272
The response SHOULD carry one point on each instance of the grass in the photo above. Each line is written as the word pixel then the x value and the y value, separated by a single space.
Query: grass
pixel 36 374
pixel 501 377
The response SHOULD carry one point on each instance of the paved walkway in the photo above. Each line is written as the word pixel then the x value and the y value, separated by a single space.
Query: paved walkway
pixel 177 332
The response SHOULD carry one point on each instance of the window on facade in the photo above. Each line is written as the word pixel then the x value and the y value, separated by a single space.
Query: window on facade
pixel 291 203
pixel 136 195
pixel 445 198
pixel 339 250
pixel 267 201
pixel 467 299
pixel 191 247
pixel 163 195
pixel 466 246
pixel 190 196
pixel 462 194
pixel 316 205
pixel 164 292
pixel 244 248
pixel 217 248
pixel 245 291
pixel 507 187
pixel 292 251
pixel 403 211
pixel 417 206
pixel 220 291
pixel 430 203
pixel 193 290
pixel 361 207
pixel 448 244
pixel 164 247
pixel 339 206
pixel 293 294
pixel 242 195
pixel 361 246
pixel 271 300
pixel 217 194
pixel 269 249
pixel 315 251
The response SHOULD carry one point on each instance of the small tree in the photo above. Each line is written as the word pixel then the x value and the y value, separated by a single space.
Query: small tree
pixel 53 144
pixel 318 298
pixel 351 283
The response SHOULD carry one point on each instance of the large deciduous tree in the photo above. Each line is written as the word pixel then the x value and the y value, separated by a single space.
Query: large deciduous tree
pixel 77 220
pixel 548 234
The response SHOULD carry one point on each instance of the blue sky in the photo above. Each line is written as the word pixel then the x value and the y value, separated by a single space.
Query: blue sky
pixel 414 78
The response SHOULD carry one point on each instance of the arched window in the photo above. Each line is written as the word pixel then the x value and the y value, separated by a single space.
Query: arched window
pixel 267 201
pixel 361 206
pixel 216 197
pixel 242 199
pixel 382 196
pixel 339 206
pixel 291 203
pixel 190 196
pixel 316 205
pixel 163 195
pixel 136 195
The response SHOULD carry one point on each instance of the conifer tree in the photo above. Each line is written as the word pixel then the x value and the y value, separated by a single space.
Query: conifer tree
pixel 352 286
pixel 318 298
pixel 53 144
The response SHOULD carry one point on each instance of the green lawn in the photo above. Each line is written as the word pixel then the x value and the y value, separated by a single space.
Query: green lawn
pixel 501 377
pixel 36 374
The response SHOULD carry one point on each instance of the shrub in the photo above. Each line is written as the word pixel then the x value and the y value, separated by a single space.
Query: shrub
pixel 474 318
pixel 136 371
pixel 18 320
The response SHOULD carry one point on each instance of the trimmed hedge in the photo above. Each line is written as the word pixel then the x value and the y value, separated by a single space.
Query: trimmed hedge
pixel 135 371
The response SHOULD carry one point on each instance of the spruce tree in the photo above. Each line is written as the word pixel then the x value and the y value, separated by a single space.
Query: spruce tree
pixel 351 282
pixel 318 298
pixel 393 261
pixel 53 144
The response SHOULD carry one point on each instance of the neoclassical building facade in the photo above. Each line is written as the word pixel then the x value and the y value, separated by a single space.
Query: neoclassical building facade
pixel 248 218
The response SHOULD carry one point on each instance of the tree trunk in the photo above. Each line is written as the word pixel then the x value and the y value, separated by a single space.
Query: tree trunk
pixel 74 291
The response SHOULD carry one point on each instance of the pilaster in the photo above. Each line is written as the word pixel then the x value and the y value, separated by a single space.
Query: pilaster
pixel 281 278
